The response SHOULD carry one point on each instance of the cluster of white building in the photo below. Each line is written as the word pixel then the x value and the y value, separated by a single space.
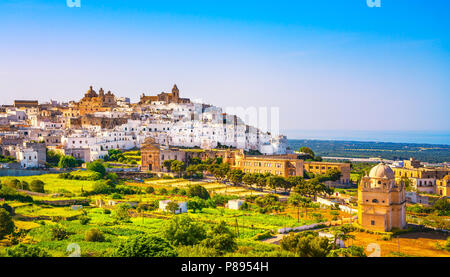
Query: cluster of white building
pixel 190 125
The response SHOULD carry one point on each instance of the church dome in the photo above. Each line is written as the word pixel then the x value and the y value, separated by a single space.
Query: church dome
pixel 381 171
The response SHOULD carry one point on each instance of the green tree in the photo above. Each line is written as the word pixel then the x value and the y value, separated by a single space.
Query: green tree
pixel 6 223
pixel 183 230
pixel 442 206
pixel 261 181
pixel 145 246
pixel 199 191
pixel 52 158
pixel 307 150
pixel 97 166
pixel 306 244
pixel 250 179
pixel 37 186
pixel 220 171
pixel 67 162
pixel 298 201
pixel 341 233
pixel 178 166
pixel 220 238
pixel 235 176
pixel 275 182
pixel 172 206
pixel 196 204
pixel 168 165
pixel 121 213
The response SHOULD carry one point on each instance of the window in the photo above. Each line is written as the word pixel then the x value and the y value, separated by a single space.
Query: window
pixel 375 201
pixel 372 222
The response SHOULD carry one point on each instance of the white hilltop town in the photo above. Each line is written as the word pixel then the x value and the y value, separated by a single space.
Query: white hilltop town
pixel 100 121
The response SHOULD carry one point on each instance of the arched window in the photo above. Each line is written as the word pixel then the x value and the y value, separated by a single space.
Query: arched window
pixel 374 201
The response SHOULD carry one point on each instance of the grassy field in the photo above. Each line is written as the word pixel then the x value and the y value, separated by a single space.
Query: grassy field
pixel 54 184
pixel 38 219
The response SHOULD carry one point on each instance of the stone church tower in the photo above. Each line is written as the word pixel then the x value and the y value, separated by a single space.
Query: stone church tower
pixel 381 203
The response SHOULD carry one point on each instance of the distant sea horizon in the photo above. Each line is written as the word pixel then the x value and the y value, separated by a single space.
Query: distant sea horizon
pixel 419 137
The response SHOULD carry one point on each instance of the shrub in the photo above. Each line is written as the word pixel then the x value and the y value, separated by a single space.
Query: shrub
pixel 6 223
pixel 162 191
pixel 199 191
pixel 150 190
pixel 122 189
pixel 220 238
pixel 29 251
pixel 96 166
pixel 182 230
pixel 94 235
pixel 145 246
pixel 8 208
pixel 37 186
pixel 13 183
pixel 9 193
pixel 121 213
pixel 116 196
pixel 67 162
pixel 59 232
pixel 84 219
pixel 101 188
pixel 106 211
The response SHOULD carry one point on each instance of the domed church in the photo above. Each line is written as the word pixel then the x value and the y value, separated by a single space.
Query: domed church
pixel 381 202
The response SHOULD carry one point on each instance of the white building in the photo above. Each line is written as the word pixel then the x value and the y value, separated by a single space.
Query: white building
pixel 182 206
pixel 28 158
pixel 235 204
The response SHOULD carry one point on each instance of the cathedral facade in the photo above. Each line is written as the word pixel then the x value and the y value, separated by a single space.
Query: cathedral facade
pixel 93 102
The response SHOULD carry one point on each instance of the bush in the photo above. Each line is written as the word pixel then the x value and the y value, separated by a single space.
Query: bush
pixel 59 233
pixel 37 186
pixel 6 223
pixel 116 196
pixel 8 208
pixel 96 166
pixel 84 219
pixel 199 191
pixel 162 191
pixel 28 251
pixel 182 230
pixel 106 211
pixel 101 188
pixel 94 235
pixel 121 213
pixel 150 190
pixel 67 162
pixel 9 193
pixel 122 189
pixel 145 246
pixel 13 183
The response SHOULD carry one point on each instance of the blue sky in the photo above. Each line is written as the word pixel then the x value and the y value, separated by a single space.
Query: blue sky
pixel 328 65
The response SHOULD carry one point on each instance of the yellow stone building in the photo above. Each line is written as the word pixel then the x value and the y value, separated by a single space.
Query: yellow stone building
pixel 423 179
pixel 93 102
pixel 323 167
pixel 443 186
pixel 381 201
pixel 281 165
